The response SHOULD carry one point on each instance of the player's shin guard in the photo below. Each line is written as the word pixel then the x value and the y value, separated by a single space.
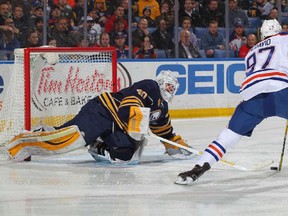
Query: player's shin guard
pixel 214 152
pixel 45 143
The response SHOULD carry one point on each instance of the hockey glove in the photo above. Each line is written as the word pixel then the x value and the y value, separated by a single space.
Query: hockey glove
pixel 175 151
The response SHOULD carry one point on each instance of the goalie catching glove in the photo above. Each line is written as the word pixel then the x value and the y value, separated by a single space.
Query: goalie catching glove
pixel 175 151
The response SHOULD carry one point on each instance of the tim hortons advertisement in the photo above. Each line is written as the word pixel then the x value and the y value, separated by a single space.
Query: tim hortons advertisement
pixel 64 88
pixel 69 87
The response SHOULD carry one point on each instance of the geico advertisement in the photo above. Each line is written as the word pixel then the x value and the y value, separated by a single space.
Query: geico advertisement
pixel 203 84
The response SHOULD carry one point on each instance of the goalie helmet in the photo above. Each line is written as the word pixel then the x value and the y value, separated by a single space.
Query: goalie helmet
pixel 269 28
pixel 168 84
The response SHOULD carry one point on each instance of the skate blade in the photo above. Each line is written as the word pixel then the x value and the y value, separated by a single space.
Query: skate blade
pixel 180 181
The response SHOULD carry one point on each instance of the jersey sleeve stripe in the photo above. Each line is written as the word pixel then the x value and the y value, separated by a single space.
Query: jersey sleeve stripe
pixel 108 102
pixel 262 76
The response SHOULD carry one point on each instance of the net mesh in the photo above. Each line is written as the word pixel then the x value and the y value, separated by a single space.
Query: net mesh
pixel 61 82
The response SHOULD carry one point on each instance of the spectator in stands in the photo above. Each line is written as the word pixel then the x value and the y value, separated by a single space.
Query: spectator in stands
pixel 284 27
pixel 36 12
pixel 51 42
pixel 8 42
pixel 121 49
pixel 10 7
pixel 147 15
pixel 104 40
pixel 186 25
pixel 191 10
pixel 54 16
pixel 119 13
pixel 81 42
pixel 93 30
pixel 237 38
pixel 146 49
pixel 69 3
pixel 39 29
pixel 153 4
pixel 236 14
pixel 66 12
pixel 284 8
pixel 125 4
pixel 245 5
pixel 163 39
pixel 212 40
pixel 4 13
pixel 101 12
pixel 186 48
pixel 92 13
pixel 78 11
pixel 257 9
pixel 119 26
pixel 212 12
pixel 63 36
pixel 20 23
pixel 167 14
pixel 139 33
pixel 244 49
pixel 273 14
pixel 32 39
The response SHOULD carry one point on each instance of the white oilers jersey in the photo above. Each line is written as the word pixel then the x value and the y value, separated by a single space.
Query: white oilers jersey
pixel 266 67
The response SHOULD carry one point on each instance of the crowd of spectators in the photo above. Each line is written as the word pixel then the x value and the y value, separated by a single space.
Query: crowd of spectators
pixel 201 31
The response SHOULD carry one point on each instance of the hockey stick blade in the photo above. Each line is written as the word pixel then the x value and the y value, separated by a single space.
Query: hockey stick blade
pixel 229 163
pixel 256 167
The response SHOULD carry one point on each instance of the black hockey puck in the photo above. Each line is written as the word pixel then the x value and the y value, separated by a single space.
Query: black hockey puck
pixel 274 168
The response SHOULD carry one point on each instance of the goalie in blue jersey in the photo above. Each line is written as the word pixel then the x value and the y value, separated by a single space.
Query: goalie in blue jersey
pixel 103 125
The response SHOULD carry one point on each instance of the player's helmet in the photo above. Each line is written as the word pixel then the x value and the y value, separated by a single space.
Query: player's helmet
pixel 168 84
pixel 269 28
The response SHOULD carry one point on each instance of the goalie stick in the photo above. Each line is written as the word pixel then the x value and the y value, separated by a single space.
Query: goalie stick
pixel 229 163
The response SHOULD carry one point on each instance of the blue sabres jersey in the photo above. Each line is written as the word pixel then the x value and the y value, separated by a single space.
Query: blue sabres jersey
pixel 145 93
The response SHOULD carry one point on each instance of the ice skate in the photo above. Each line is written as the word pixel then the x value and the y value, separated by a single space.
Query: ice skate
pixel 99 151
pixel 188 177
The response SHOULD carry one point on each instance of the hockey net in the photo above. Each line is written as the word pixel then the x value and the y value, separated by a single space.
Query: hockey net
pixel 49 86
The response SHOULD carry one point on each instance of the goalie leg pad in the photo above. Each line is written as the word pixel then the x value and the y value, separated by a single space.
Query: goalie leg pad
pixel 45 143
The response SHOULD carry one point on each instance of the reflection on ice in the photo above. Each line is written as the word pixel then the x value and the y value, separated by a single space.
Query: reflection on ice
pixel 74 184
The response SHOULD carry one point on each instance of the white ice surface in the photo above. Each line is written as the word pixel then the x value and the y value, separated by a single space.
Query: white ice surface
pixel 74 184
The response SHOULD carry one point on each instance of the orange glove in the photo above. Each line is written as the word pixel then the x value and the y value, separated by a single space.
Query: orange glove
pixel 177 139
pixel 175 151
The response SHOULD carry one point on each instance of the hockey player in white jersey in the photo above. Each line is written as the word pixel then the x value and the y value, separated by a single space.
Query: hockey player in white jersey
pixel 264 92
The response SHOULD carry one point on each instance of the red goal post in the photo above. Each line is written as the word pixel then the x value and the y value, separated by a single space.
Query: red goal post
pixel 49 85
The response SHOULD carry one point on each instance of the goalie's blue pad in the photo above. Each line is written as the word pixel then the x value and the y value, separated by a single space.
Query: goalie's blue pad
pixel 99 153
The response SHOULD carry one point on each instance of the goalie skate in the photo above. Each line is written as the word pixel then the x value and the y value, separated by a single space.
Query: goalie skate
pixel 45 143
pixel 99 152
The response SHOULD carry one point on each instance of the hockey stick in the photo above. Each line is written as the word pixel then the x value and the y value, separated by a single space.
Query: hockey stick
pixel 283 147
pixel 229 163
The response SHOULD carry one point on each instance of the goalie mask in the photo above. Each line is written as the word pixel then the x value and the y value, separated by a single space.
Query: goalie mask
pixel 168 84
pixel 269 28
